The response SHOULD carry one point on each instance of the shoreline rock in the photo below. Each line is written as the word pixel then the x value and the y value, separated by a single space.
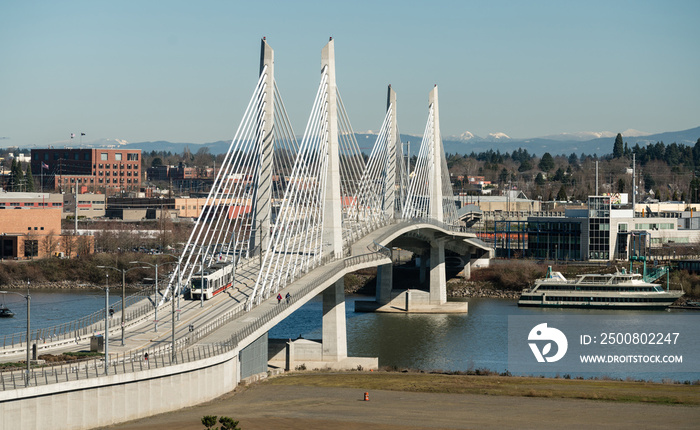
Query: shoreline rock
pixel 63 285
pixel 462 288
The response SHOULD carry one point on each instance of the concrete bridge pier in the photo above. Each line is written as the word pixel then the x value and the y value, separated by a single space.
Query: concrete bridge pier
pixel 385 279
pixel 466 273
pixel 335 344
pixel 423 268
pixel 329 352
pixel 438 281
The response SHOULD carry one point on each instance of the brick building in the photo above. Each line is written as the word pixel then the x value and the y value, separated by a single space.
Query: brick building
pixel 109 171
pixel 30 233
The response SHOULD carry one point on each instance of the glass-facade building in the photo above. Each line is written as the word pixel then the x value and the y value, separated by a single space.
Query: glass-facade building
pixel 554 238
pixel 607 230
pixel 599 228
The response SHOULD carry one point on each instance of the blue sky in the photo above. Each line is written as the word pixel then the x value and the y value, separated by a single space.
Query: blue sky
pixel 183 71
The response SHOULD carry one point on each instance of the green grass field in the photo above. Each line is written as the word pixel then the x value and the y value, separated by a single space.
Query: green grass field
pixel 608 390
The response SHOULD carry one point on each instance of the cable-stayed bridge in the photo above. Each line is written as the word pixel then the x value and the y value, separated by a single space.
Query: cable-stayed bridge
pixel 287 217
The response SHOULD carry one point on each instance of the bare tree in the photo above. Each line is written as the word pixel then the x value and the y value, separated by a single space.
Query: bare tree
pixel 84 245
pixel 49 243
pixel 69 242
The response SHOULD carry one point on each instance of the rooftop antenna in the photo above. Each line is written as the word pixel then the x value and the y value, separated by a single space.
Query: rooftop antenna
pixel 596 177
pixel 634 182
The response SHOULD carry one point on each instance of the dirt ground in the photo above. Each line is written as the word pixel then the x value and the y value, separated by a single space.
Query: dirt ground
pixel 265 406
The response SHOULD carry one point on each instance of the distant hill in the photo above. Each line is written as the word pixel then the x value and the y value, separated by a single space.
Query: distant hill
pixel 466 143
pixel 538 146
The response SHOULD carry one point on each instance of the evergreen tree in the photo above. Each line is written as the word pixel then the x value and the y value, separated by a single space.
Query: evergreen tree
pixel 546 163
pixel 13 169
pixel 17 176
pixel 649 181
pixel 539 179
pixel 694 190
pixel 618 147
pixel 503 176
pixel 621 186
pixel 561 195
pixel 29 179
pixel 525 165
pixel 558 175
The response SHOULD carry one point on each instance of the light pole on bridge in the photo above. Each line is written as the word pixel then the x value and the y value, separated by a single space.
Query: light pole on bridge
pixel 123 294
pixel 155 298
pixel 172 296
pixel 106 337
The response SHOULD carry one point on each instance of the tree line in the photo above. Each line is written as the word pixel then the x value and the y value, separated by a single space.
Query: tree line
pixel 663 172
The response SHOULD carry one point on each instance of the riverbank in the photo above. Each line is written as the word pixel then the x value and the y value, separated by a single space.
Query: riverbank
pixel 65 285
pixel 478 289
pixel 420 401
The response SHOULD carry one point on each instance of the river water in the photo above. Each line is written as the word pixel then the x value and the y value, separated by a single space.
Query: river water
pixel 448 342
pixel 51 307
pixel 453 342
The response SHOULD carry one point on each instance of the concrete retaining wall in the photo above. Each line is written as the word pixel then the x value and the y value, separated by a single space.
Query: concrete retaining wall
pixel 101 402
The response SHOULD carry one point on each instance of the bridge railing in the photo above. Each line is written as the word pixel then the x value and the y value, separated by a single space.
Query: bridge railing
pixel 186 351
pixel 380 253
pixel 153 358
pixel 83 326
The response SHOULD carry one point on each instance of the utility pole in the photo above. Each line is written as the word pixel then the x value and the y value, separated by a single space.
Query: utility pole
pixel 107 324
pixel 76 208
pixel 634 182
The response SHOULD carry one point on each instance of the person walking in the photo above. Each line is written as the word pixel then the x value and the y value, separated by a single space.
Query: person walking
pixel 279 298
pixel 288 297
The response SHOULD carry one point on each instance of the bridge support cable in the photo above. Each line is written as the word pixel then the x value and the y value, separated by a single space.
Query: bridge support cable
pixel 418 196
pixel 352 162
pixel 325 176
pixel 401 180
pixel 296 241
pixel 366 211
pixel 194 245
pixel 430 192
pixel 235 222
pixel 230 202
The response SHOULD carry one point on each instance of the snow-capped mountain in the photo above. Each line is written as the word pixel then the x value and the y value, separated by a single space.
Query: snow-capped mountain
pixel 496 137
pixel 589 135
pixel 466 136
pixel 470 137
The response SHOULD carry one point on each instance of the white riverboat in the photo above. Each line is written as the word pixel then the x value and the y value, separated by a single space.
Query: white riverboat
pixel 621 290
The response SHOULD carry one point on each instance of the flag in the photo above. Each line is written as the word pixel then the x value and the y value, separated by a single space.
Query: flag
pixel 44 165
pixel 72 135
